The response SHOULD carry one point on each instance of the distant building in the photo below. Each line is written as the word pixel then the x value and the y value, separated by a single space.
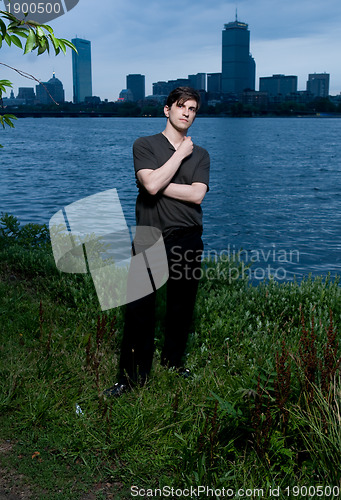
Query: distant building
pixel 50 91
pixel 156 99
pixel 214 82
pixel 126 95
pixel 94 99
pixel 164 88
pixel 198 81
pixel 238 66
pixel 136 84
pixel 254 98
pixel 278 86
pixel 160 88
pixel 179 82
pixel 12 101
pixel 318 84
pixel 301 96
pixel 336 99
pixel 27 94
pixel 81 70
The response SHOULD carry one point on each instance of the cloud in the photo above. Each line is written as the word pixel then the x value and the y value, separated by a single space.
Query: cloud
pixel 275 19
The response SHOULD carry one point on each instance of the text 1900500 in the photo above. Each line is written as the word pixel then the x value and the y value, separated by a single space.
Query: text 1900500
pixel 312 491
pixel 34 8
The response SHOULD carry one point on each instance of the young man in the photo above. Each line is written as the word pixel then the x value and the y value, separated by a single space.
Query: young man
pixel 172 176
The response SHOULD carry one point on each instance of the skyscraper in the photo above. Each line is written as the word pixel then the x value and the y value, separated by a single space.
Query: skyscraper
pixel 318 84
pixel 81 70
pixel 238 66
pixel 136 84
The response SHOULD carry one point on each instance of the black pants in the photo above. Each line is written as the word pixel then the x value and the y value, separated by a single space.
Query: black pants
pixel 184 249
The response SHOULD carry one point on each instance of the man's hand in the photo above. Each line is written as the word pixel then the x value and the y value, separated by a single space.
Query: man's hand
pixel 186 147
pixel 156 180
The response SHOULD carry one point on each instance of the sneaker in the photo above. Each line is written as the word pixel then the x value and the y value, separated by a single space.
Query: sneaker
pixel 116 391
pixel 184 373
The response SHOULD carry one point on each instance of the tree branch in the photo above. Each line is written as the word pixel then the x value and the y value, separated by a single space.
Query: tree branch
pixel 29 77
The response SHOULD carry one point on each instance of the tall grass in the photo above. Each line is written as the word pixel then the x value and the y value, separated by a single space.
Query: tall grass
pixel 261 409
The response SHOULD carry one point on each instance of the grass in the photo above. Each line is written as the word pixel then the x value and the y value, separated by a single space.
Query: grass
pixel 260 412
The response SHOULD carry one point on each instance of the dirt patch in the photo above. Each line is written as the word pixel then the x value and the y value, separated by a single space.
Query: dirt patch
pixel 12 484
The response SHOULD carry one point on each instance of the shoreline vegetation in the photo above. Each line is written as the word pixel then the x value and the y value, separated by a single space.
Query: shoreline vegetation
pixel 260 414
pixel 320 107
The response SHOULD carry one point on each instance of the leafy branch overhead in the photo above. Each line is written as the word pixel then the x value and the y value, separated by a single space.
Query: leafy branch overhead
pixel 28 36
pixel 37 36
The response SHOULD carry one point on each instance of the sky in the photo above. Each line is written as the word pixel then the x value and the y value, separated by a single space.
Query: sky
pixel 169 39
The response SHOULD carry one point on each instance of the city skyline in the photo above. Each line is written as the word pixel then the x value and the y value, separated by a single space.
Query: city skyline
pixel 154 41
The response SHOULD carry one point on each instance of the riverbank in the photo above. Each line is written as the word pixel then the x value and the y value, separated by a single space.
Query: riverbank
pixel 316 108
pixel 147 114
pixel 260 411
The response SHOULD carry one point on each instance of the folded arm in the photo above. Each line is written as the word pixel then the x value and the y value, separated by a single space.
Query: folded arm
pixel 192 193
pixel 154 180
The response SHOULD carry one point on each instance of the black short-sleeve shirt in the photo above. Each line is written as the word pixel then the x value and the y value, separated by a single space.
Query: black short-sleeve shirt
pixel 159 210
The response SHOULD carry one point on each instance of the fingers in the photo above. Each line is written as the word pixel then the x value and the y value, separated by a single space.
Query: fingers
pixel 186 147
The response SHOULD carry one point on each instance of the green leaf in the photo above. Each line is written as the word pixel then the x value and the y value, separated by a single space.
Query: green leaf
pixel 8 15
pixel 16 41
pixel 8 121
pixel 43 46
pixel 14 26
pixel 20 32
pixel 30 42
pixel 55 42
pixel 8 39
pixel 40 32
pixel 3 27
pixel 68 44
pixel 47 28
pixel 7 83
pixel 62 45
pixel 4 84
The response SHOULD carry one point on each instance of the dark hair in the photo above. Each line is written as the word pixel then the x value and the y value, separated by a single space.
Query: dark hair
pixel 182 94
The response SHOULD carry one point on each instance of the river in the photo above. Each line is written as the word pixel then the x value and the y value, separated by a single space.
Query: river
pixel 274 187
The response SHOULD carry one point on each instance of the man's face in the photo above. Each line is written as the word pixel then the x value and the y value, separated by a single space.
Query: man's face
pixel 181 116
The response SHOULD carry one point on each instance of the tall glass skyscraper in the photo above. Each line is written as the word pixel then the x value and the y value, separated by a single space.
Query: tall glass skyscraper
pixel 238 66
pixel 81 70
